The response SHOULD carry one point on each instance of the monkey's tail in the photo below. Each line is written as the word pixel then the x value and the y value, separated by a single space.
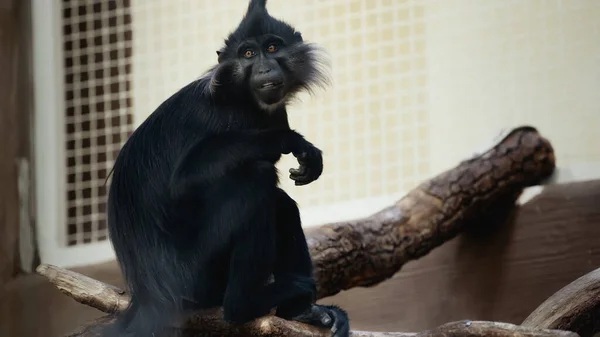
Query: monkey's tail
pixel 142 321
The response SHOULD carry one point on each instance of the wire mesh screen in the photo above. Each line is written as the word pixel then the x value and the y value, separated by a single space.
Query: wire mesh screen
pixel 97 66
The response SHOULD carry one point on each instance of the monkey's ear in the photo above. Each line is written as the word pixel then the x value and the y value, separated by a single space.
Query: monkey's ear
pixel 219 55
pixel 298 35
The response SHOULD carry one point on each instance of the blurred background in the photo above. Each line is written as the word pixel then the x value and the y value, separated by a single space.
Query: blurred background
pixel 418 85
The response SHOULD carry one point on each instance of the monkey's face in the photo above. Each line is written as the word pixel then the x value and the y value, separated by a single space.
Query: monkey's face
pixel 271 68
pixel 261 60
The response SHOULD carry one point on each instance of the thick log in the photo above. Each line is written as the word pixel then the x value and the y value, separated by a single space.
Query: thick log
pixel 576 307
pixel 368 251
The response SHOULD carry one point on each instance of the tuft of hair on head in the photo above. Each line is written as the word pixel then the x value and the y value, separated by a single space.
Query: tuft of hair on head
pixel 256 22
pixel 257 5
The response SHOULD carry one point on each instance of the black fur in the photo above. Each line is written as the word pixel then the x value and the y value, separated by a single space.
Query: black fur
pixel 195 214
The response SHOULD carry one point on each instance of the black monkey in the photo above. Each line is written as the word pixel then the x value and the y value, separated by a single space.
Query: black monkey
pixel 195 214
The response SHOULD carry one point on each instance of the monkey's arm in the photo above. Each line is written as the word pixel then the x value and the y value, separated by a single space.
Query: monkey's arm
pixel 214 156
pixel 310 159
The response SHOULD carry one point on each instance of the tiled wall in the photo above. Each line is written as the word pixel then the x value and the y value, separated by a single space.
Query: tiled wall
pixel 496 64
pixel 418 84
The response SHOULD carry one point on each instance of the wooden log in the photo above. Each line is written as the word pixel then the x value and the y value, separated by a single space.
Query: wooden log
pixel 576 307
pixel 367 251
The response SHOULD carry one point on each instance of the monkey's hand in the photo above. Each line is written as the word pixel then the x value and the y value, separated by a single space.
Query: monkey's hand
pixel 311 166
pixel 309 157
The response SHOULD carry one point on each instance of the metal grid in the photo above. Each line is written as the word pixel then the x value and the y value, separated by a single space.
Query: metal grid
pixel 97 52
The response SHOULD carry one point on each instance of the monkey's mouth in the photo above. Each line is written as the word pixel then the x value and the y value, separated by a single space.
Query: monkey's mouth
pixel 270 85
pixel 271 91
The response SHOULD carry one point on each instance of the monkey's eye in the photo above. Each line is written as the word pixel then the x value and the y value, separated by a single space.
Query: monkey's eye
pixel 248 53
pixel 272 48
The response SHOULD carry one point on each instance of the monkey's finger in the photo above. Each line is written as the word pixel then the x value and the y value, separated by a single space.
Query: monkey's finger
pixel 297 178
pixel 300 171
pixel 300 180
pixel 304 180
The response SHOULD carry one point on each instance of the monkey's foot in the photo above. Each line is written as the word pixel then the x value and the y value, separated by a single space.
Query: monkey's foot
pixel 326 316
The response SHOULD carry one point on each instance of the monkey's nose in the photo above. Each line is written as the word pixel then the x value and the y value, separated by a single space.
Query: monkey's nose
pixel 264 71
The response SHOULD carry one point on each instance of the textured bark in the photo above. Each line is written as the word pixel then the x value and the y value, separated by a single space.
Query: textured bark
pixel 85 290
pixel 367 251
pixel 489 329
pixel 576 307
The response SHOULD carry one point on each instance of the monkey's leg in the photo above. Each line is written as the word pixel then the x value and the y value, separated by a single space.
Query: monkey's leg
pixel 293 262
pixel 250 208
pixel 294 266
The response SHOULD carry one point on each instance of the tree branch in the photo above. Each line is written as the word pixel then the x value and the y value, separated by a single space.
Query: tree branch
pixel 368 251
pixel 576 307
